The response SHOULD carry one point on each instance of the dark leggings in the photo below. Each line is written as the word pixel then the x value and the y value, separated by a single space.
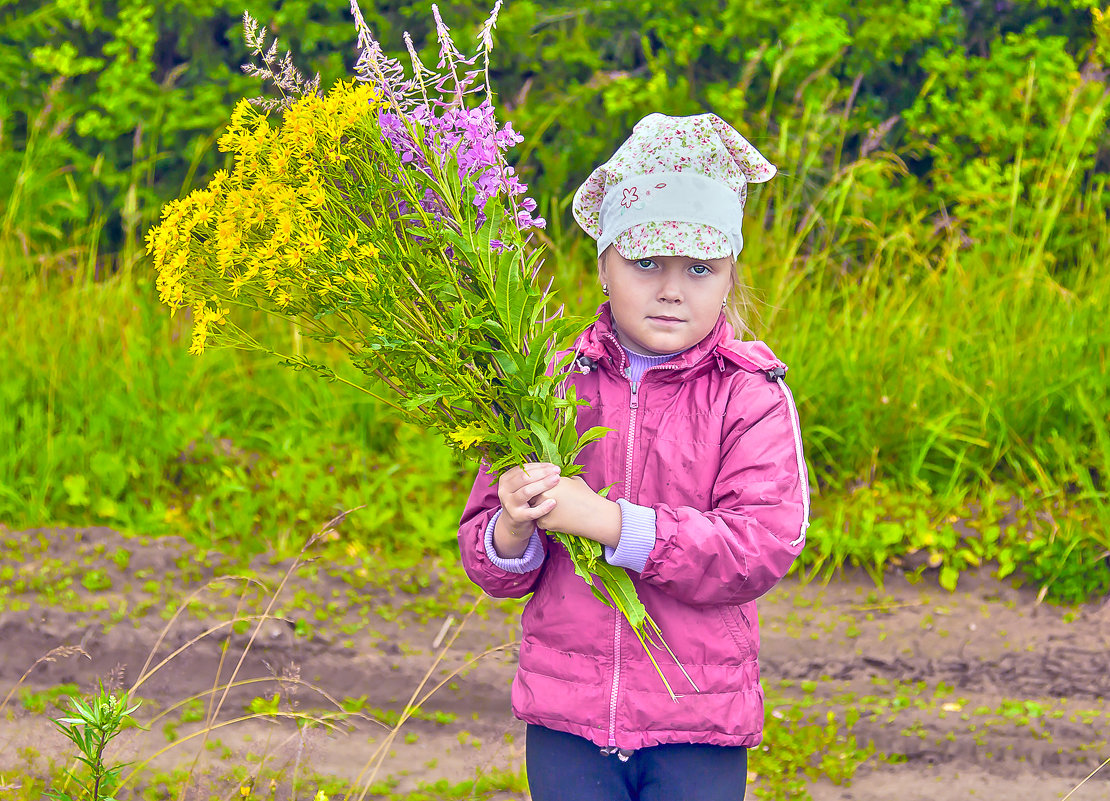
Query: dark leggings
pixel 565 767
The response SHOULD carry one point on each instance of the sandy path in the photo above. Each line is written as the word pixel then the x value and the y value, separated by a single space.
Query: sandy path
pixel 982 693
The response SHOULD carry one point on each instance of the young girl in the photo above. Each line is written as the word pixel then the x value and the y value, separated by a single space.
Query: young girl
pixel 708 504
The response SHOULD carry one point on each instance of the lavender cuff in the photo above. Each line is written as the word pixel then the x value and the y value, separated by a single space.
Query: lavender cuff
pixel 528 561
pixel 637 537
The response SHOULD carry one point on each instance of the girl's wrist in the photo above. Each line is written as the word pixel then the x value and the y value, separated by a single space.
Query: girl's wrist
pixel 508 540
pixel 605 525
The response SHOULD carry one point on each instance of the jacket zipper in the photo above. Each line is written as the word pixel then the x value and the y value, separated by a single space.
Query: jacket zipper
pixel 633 408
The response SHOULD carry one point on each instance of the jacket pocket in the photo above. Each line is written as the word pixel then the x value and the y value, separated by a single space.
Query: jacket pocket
pixel 736 622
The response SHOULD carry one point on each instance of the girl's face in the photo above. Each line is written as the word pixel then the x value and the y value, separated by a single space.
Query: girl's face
pixel 664 304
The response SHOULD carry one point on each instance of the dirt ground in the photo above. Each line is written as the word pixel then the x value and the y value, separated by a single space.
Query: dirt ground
pixel 978 694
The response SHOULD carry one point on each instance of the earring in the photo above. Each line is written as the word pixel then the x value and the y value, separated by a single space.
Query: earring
pixel 605 290
pixel 724 303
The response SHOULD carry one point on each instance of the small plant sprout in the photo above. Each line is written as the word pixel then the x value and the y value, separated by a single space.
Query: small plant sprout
pixel 92 726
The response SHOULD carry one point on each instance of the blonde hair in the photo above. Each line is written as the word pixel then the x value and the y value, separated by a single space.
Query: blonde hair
pixel 740 310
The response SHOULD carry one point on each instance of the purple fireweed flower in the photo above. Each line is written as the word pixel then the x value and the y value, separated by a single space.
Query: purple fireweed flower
pixel 472 136
pixel 450 128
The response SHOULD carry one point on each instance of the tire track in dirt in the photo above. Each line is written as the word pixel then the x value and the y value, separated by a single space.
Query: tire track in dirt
pixel 1062 671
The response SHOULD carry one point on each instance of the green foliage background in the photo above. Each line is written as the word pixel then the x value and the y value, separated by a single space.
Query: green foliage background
pixel 930 262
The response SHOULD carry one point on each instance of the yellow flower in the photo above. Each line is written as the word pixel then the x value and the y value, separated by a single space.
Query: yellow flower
pixel 298 117
pixel 180 260
pixel 269 248
pixel 168 288
pixel 352 239
pixel 228 141
pixel 157 243
pixel 283 228
pixel 216 316
pixel 262 133
pixel 242 114
pixel 200 336
pixel 368 251
pixel 224 261
pixel 280 198
pixel 264 187
pixel 279 163
pixel 259 217
pixel 312 241
pixel 312 185
pixel 294 257
pixel 173 213
pixel 237 283
pixel 234 202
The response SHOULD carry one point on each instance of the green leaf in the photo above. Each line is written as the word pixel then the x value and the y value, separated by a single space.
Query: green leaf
pixel 948 577
pixel 510 298
pixel 82 710
pixel 468 436
pixel 109 469
pixel 416 401
pixel 507 362
pixel 76 489
pixel 619 585
pixel 590 435
pixel 575 547
pixel 547 450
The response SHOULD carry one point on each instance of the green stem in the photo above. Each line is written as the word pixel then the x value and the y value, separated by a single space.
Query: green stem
pixel 98 765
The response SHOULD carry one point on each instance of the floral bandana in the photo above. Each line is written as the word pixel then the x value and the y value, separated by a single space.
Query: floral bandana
pixel 676 187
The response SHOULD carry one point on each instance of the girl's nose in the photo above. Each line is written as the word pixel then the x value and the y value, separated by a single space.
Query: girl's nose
pixel 670 290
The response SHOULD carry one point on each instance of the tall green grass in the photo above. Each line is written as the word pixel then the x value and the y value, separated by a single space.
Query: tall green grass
pixel 944 362
pixel 108 419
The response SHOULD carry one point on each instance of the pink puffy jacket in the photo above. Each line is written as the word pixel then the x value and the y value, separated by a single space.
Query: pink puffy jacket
pixel 710 442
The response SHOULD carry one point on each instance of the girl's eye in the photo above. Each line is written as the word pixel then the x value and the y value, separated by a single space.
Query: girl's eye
pixel 645 264
pixel 700 269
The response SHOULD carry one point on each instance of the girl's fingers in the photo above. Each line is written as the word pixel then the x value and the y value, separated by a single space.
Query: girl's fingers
pixel 538 511
pixel 517 479
pixel 533 470
pixel 523 514
pixel 518 486
pixel 530 491
pixel 531 467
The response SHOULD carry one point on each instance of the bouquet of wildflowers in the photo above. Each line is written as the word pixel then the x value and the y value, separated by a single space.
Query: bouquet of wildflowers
pixel 382 217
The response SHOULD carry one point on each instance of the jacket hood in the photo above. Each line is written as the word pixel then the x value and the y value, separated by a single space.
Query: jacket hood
pixel 754 356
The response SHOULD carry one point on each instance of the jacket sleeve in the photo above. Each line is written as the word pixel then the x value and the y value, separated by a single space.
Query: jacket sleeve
pixel 746 542
pixel 481 507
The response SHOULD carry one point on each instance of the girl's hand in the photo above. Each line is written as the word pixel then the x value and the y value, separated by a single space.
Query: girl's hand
pixel 579 510
pixel 519 489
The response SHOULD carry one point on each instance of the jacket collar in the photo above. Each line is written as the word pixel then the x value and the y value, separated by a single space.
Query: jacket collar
pixel 600 340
